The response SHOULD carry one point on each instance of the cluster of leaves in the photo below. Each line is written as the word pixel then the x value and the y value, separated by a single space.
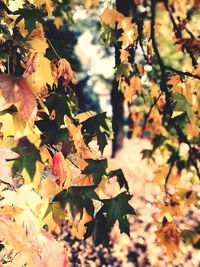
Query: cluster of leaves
pixel 53 172
pixel 164 98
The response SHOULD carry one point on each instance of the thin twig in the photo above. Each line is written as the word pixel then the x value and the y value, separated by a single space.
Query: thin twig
pixel 53 48
pixel 149 113
pixel 167 177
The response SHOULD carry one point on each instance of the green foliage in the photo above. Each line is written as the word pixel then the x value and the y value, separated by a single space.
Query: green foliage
pixel 29 154
pixel 120 178
pixel 117 209
pixel 97 168
pixel 30 15
pixel 181 104
pixel 77 197
pixel 96 126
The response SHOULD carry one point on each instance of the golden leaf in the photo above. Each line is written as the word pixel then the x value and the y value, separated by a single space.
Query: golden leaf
pixel 135 86
pixel 110 16
pixel 48 4
pixel 169 237
pixel 38 72
pixel 79 229
pixel 85 115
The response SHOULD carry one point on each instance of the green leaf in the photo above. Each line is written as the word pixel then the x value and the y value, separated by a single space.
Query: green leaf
pixel 96 126
pixel 120 178
pixel 123 70
pixel 59 103
pixel 53 135
pixel 29 155
pixel 77 197
pixel 98 229
pixel 109 36
pixel 117 209
pixel 30 16
pixel 181 104
pixel 97 168
pixel 158 141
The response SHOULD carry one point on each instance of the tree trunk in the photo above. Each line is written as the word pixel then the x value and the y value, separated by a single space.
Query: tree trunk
pixel 117 98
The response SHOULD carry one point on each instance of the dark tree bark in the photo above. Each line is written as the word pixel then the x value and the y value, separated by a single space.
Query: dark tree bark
pixel 117 98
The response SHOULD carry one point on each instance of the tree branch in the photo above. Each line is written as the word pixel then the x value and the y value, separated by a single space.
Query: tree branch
pixel 185 73
pixel 178 33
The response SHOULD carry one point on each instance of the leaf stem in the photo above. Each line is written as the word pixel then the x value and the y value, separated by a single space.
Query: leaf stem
pixel 55 52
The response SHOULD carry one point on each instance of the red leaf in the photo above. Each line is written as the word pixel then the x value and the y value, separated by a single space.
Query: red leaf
pixel 58 167
pixel 15 91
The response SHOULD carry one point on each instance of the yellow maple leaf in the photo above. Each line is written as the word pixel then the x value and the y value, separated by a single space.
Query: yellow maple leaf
pixel 173 206
pixel 124 55
pixel 38 45
pixel 38 72
pixel 169 237
pixel 135 86
pixel 110 16
pixel 85 115
pixel 175 81
pixel 79 229
pixel 48 4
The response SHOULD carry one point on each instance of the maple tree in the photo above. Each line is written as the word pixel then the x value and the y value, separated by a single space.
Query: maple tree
pixel 53 168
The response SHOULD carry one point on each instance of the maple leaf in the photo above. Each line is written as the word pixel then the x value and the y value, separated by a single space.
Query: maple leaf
pixel 98 168
pixel 109 35
pixel 117 209
pixel 30 16
pixel 13 235
pixel 38 72
pixel 98 229
pixel 6 174
pixel 15 91
pixel 168 236
pixel 80 229
pixel 27 253
pixel 48 4
pixel 135 86
pixel 47 188
pixel 62 68
pixel 24 197
pixel 71 203
pixel 181 104
pixel 110 16
pixel 59 167
pixel 60 103
pixel 120 178
pixel 29 156
pixel 96 126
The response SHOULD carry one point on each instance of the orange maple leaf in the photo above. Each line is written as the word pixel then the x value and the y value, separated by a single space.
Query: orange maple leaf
pixel 168 235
